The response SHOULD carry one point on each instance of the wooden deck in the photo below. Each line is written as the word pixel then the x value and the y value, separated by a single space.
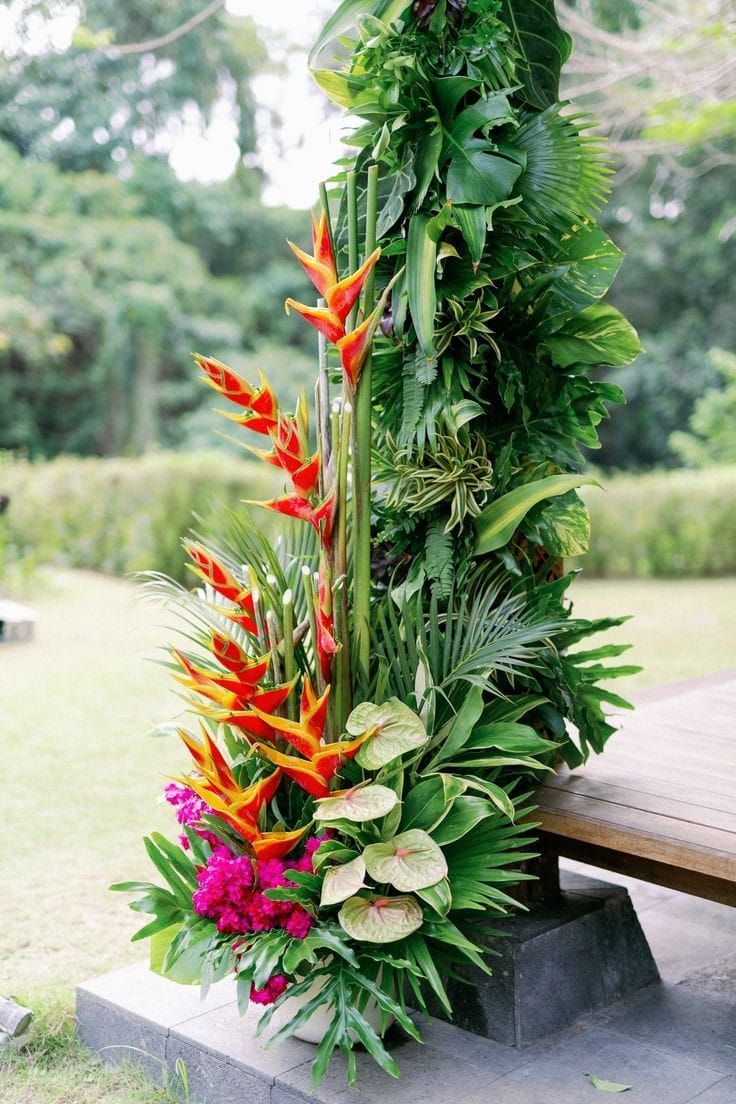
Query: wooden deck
pixel 660 804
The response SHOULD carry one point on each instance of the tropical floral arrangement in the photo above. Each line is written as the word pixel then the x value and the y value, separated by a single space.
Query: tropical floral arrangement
pixel 380 687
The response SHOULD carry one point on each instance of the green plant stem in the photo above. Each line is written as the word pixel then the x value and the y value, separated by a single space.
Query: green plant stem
pixel 341 433
pixel 287 605
pixel 353 244
pixel 308 583
pixel 362 470
pixel 322 405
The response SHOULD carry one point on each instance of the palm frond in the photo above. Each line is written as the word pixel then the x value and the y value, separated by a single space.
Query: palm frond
pixel 567 170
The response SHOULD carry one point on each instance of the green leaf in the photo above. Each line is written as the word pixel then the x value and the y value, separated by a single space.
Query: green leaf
pixel 438 897
pixel 562 527
pixel 476 176
pixel 380 919
pixel 396 730
pixel 493 110
pixel 462 724
pixel 494 793
pixel 358 805
pixel 465 814
pixel 341 882
pixel 543 45
pixel 345 20
pixel 499 521
pixel 421 261
pixel 158 947
pixel 410 861
pixel 473 226
pixel 426 804
pixel 599 335
pixel 606 1086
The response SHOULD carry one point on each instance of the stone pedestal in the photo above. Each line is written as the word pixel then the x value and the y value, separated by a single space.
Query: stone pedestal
pixel 569 955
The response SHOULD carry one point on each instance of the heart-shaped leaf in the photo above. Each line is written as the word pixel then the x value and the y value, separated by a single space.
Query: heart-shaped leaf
pixel 341 882
pixel 396 730
pixel 380 919
pixel 358 805
pixel 410 861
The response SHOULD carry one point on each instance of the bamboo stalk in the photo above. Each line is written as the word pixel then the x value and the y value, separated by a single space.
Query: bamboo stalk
pixel 362 470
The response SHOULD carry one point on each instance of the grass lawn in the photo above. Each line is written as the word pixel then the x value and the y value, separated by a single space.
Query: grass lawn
pixel 82 782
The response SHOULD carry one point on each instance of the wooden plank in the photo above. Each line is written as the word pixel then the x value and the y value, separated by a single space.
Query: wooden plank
pixel 658 766
pixel 632 796
pixel 634 866
pixel 662 839
pixel 658 787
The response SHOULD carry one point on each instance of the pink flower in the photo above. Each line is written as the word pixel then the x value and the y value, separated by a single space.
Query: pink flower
pixel 189 812
pixel 272 990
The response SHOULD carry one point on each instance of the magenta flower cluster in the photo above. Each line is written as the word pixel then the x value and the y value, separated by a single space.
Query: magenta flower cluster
pixel 271 991
pixel 189 809
pixel 232 893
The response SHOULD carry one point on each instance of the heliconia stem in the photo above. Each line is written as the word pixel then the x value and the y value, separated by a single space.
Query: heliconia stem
pixel 353 244
pixel 309 591
pixel 274 631
pixel 322 403
pixel 341 567
pixel 362 470
pixel 287 605
pixel 259 620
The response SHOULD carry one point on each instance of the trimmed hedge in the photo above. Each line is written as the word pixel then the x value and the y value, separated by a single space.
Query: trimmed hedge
pixel 119 515
pixel 663 525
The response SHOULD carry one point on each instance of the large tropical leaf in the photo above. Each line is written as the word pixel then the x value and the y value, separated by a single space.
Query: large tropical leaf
pixel 598 335
pixel 543 45
pixel 498 522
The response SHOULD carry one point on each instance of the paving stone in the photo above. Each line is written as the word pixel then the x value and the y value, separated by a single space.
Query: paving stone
pixel 681 947
pixel 225 1034
pixel 135 989
pixel 697 1024
pixel 722 1093
pixel 472 1050
pixel 719 979
pixel 558 1077
pixel 428 1076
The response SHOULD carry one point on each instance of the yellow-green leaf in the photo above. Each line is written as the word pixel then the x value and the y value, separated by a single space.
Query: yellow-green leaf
pixel 499 521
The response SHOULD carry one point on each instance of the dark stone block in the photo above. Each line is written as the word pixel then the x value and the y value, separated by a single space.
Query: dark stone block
pixel 561 960
pixel 214 1080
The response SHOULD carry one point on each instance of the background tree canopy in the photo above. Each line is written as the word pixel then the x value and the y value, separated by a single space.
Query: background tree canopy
pixel 114 270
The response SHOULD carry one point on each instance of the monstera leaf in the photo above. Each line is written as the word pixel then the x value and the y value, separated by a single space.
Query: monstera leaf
pixel 341 882
pixel 543 45
pixel 380 919
pixel 408 862
pixel 358 805
pixel 397 730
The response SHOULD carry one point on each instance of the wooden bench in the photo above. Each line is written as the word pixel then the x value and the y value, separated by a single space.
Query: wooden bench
pixel 660 803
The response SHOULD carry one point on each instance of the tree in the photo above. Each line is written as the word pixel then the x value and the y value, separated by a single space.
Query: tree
pixel 659 75
pixel 102 304
pixel 712 429
pixel 85 106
